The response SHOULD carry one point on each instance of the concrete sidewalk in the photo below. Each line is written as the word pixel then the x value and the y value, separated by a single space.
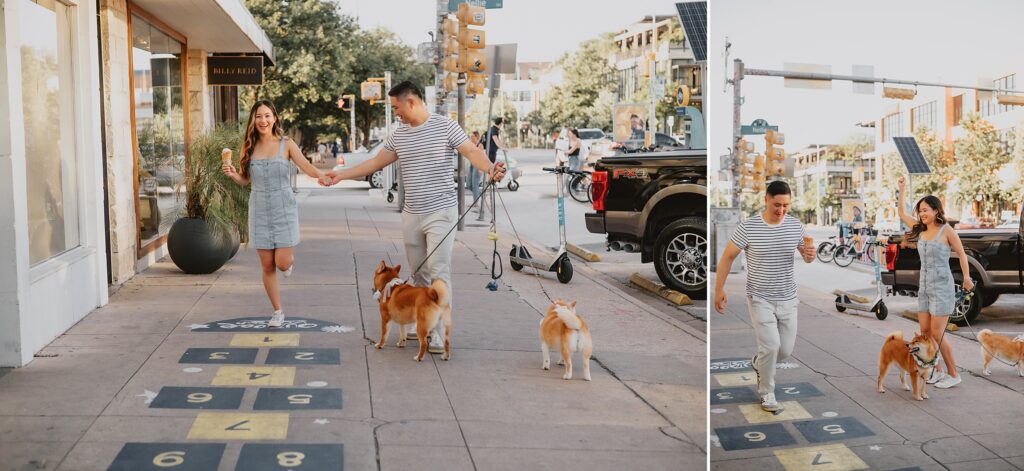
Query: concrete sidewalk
pixel 179 372
pixel 834 418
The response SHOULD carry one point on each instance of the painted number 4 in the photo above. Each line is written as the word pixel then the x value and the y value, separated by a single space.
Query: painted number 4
pixel 169 459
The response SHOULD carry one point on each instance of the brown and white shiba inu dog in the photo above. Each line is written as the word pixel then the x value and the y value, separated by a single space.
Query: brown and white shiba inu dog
pixel 993 345
pixel 917 357
pixel 406 304
pixel 563 328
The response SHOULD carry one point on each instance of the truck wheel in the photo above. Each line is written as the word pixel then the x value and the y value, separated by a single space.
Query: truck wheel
pixel 990 299
pixel 964 313
pixel 680 257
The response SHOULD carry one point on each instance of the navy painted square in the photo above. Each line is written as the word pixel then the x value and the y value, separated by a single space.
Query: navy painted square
pixel 754 436
pixel 278 457
pixel 297 399
pixel 173 397
pixel 828 430
pixel 304 356
pixel 163 456
pixel 792 391
pixel 737 395
pixel 723 365
pixel 233 356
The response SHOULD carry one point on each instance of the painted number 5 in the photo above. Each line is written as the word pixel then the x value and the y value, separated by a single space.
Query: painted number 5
pixel 755 436
pixel 169 459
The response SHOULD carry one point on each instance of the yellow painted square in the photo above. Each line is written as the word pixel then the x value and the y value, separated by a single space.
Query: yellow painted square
pixel 792 410
pixel 820 458
pixel 239 426
pixel 265 340
pixel 747 378
pixel 254 376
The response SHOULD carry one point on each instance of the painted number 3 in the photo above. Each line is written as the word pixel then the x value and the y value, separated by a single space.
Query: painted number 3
pixel 169 459
pixel 755 436
pixel 290 458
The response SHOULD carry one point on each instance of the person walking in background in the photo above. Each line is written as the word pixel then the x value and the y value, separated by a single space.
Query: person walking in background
pixel 273 214
pixel 334 148
pixel 936 296
pixel 475 177
pixel 574 149
pixel 769 240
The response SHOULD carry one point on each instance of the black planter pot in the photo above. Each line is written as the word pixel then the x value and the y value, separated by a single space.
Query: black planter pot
pixel 194 249
pixel 236 242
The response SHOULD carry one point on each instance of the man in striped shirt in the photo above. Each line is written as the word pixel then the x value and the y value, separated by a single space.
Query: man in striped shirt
pixel 425 143
pixel 769 240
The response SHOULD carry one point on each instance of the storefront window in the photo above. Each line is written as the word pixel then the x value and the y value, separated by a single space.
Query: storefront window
pixel 159 127
pixel 50 159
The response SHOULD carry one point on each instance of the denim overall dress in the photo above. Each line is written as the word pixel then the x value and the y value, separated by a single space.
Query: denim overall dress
pixel 273 214
pixel 935 293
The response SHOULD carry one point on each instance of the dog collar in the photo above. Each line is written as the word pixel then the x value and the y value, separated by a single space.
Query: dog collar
pixel 387 290
pixel 925 364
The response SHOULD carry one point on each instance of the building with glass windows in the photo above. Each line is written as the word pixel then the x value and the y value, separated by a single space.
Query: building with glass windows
pixel 100 99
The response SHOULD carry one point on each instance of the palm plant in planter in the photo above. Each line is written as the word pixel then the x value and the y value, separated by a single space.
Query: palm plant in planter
pixel 216 211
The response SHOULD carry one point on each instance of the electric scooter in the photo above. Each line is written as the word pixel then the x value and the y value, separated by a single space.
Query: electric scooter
pixel 560 263
pixel 848 300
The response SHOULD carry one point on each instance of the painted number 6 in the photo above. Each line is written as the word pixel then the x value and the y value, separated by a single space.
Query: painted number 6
pixel 755 436
pixel 169 459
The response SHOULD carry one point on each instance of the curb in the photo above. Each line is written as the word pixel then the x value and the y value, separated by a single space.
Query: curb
pixel 670 295
pixel 582 253
pixel 950 327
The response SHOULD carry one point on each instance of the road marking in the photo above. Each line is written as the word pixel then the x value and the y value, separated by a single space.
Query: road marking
pixel 754 436
pixel 239 426
pixel 828 430
pixel 736 395
pixel 736 379
pixel 254 376
pixel 821 458
pixel 792 410
pixel 303 356
pixel 171 397
pixel 265 340
pixel 274 457
pixel 177 456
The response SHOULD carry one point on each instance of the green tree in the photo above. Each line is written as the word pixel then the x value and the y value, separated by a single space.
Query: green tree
pixel 979 156
pixel 585 97
pixel 313 45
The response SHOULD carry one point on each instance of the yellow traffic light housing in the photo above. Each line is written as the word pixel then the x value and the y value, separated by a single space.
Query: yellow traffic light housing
pixel 471 60
pixel 475 84
pixel 472 38
pixel 759 172
pixel 452 64
pixel 451 83
pixel 776 156
pixel 449 27
pixel 370 90
pixel 471 14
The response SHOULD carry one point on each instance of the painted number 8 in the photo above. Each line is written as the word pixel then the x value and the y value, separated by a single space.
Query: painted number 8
pixel 290 458
pixel 168 459
pixel 755 436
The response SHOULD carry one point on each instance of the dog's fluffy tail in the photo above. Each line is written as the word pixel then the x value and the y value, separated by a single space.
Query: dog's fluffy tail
pixel 568 317
pixel 896 334
pixel 439 292
pixel 983 334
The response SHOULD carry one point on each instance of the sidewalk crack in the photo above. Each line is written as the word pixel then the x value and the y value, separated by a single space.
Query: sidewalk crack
pixel 433 359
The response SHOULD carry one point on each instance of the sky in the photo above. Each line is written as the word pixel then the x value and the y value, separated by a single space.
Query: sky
pixel 937 40
pixel 544 29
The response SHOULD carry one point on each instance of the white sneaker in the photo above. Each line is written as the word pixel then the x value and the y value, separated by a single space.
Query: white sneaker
pixel 768 403
pixel 276 320
pixel 935 377
pixel 411 334
pixel 436 345
pixel 948 382
pixel 288 272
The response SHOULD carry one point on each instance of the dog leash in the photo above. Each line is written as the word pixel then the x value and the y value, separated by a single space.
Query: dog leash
pixel 536 272
pixel 490 186
pixel 1000 360
pixel 497 269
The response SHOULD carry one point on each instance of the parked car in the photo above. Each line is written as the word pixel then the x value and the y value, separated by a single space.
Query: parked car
pixel 995 259
pixel 351 159
pixel 588 136
pixel 655 203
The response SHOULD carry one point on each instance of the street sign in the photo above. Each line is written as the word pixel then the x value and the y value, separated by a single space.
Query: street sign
pixel 453 5
pixel 757 127
pixel 659 88
pixel 426 53
pixel 680 111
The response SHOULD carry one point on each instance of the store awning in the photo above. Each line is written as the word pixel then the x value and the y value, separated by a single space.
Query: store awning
pixel 216 26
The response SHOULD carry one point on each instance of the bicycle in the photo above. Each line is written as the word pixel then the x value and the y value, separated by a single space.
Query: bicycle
pixel 579 185
pixel 846 253
pixel 827 250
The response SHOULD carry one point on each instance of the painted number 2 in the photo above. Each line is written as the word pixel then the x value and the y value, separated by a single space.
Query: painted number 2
pixel 169 459
pixel 755 436
pixel 290 459
pixel 791 390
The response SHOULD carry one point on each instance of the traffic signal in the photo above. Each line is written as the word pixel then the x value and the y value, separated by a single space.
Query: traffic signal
pixel 475 84
pixel 743 149
pixel 346 102
pixel 471 60
pixel 451 83
pixel 472 38
pixel 776 156
pixel 471 41
pixel 371 91
pixel 899 93
pixel 471 15
pixel 758 172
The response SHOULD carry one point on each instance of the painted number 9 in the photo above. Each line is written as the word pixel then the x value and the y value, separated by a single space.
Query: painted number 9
pixel 199 398
pixel 168 459
pixel 833 429
pixel 755 436
pixel 290 458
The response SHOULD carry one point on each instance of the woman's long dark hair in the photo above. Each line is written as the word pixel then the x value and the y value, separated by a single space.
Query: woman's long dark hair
pixel 252 136
pixel 920 227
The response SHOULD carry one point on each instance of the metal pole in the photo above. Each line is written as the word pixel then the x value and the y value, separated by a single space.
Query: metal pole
pixel 352 125
pixel 653 76
pixel 458 158
pixel 494 82
pixel 855 78
pixel 737 102
pixel 439 93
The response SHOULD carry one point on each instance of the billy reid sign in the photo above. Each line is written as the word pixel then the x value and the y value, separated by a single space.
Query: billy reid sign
pixel 234 70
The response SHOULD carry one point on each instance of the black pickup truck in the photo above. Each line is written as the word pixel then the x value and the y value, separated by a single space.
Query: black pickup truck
pixel 996 262
pixel 655 203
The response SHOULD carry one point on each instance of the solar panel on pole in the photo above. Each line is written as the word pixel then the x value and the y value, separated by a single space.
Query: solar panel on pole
pixel 912 157
pixel 694 18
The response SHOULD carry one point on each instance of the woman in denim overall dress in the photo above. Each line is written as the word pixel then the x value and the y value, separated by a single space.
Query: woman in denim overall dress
pixel 273 214
pixel 936 293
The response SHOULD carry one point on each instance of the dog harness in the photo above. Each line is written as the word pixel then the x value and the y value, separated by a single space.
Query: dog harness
pixel 387 290
pixel 921 363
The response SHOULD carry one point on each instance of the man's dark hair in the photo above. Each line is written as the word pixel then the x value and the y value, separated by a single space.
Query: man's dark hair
pixel 776 188
pixel 498 121
pixel 404 89
pixel 634 116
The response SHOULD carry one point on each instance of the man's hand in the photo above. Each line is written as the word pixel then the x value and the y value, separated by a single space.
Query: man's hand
pixel 332 178
pixel 325 180
pixel 720 301
pixel 497 172
pixel 808 253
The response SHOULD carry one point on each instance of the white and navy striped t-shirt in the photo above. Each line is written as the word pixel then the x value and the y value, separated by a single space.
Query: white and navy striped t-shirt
pixel 426 154
pixel 770 250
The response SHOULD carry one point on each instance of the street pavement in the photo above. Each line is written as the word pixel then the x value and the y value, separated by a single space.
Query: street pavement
pixel 834 418
pixel 180 372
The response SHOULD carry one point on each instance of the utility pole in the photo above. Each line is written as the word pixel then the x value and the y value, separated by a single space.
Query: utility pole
pixel 439 37
pixel 653 67
pixel 462 124
pixel 737 103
